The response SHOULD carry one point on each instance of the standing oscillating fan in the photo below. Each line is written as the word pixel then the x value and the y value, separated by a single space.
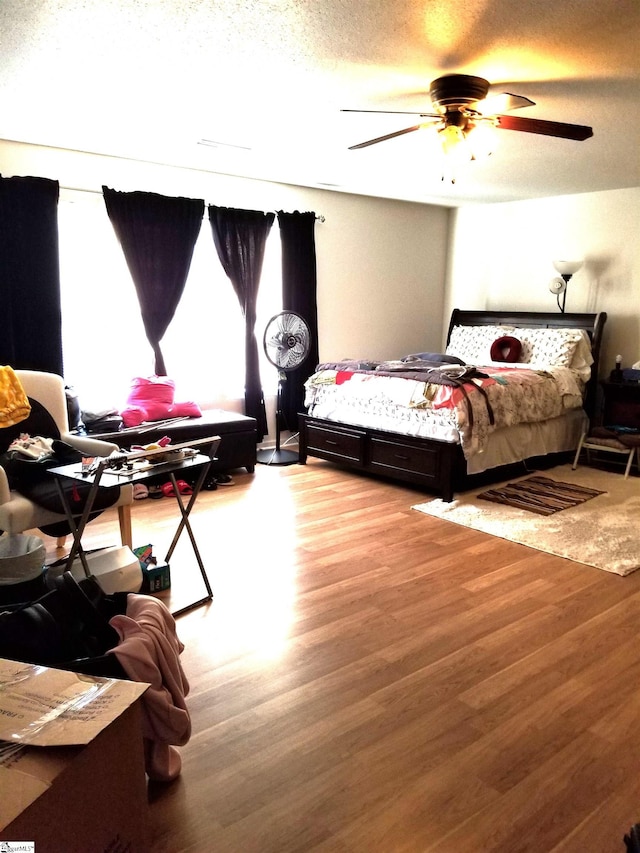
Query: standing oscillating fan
pixel 286 341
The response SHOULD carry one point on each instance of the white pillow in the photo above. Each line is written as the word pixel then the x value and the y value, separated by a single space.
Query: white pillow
pixel 552 347
pixel 583 357
pixel 473 343
pixel 541 346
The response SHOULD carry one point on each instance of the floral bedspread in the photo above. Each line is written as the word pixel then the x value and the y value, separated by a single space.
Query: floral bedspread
pixel 501 397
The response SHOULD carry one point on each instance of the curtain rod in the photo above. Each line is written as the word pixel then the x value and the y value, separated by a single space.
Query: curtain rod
pixel 319 216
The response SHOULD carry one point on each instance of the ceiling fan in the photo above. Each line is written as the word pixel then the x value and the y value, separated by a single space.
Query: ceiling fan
pixel 461 105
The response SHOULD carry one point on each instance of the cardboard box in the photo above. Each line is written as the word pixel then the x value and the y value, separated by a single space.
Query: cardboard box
pixel 155 578
pixel 86 797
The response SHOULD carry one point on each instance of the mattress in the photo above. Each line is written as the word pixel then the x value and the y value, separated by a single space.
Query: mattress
pixel 469 413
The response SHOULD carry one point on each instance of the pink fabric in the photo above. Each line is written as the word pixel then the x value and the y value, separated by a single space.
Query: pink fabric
pixel 152 399
pixel 149 651
pixel 151 390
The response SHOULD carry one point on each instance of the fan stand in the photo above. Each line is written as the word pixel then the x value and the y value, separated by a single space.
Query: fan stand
pixel 277 456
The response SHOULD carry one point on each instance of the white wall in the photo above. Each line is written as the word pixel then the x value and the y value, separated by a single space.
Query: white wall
pixel 381 268
pixel 501 258
pixel 381 263
pixel 389 272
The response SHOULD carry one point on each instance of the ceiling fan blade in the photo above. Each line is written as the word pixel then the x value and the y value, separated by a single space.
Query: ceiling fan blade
pixel 395 113
pixel 504 103
pixel 577 132
pixel 387 136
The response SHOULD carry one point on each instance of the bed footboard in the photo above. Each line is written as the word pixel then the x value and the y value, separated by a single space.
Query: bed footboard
pixel 433 465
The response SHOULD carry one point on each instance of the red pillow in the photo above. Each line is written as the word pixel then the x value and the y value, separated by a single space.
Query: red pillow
pixel 506 349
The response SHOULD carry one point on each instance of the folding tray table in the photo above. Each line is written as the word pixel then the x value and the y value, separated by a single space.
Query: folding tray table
pixel 141 468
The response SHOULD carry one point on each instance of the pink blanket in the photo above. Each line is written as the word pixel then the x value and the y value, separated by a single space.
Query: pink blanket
pixel 149 651
pixel 152 399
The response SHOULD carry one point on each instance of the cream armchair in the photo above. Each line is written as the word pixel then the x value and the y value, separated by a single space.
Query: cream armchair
pixel 18 513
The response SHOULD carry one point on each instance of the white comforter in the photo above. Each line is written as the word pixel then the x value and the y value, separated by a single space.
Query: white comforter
pixel 522 394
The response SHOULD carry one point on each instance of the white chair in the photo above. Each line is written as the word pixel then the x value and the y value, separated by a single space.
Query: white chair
pixel 607 445
pixel 18 513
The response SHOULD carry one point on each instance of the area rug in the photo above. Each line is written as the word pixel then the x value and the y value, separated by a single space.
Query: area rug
pixel 543 495
pixel 603 532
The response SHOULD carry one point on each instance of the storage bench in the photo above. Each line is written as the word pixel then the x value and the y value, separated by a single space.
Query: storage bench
pixel 238 433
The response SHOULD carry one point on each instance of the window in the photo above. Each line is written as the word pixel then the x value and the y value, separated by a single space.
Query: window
pixel 104 344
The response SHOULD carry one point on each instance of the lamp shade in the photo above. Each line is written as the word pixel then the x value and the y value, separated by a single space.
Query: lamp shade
pixel 567 267
pixel 454 142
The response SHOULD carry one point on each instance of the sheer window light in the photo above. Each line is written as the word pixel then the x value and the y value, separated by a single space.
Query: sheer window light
pixel 104 344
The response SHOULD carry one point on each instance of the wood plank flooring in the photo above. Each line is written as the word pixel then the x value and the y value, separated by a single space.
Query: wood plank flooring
pixel 368 678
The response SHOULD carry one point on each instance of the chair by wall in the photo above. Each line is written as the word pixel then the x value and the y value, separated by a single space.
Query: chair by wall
pixel 18 513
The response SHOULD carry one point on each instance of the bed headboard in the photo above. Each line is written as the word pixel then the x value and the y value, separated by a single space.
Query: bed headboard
pixel 593 324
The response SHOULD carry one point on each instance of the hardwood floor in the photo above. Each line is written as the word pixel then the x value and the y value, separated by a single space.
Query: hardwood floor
pixel 368 678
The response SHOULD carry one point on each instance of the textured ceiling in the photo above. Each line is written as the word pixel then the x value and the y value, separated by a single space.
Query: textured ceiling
pixel 267 79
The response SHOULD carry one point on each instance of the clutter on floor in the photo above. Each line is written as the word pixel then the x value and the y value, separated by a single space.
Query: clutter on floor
pixel 155 577
pixel 116 569
pixel 217 479
pixel 76 626
pixel 22 559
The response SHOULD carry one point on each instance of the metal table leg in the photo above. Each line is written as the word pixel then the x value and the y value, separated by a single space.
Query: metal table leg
pixel 185 523
pixel 77 529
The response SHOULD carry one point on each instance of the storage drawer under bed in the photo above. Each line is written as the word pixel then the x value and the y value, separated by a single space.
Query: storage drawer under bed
pixel 336 444
pixel 390 456
pixel 427 463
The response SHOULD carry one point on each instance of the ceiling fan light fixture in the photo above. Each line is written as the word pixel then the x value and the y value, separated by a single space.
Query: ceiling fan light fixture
pixel 482 140
pixel 454 142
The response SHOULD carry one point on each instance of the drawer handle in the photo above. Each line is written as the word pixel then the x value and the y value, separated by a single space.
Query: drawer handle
pixel 333 443
pixel 403 458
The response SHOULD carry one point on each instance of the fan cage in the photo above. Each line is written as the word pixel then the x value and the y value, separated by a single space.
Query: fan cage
pixel 286 340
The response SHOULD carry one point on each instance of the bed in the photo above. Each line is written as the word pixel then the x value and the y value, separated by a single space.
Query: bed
pixel 437 420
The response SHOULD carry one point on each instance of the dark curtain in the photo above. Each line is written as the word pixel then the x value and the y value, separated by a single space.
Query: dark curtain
pixel 157 234
pixel 31 335
pixel 240 237
pixel 299 284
